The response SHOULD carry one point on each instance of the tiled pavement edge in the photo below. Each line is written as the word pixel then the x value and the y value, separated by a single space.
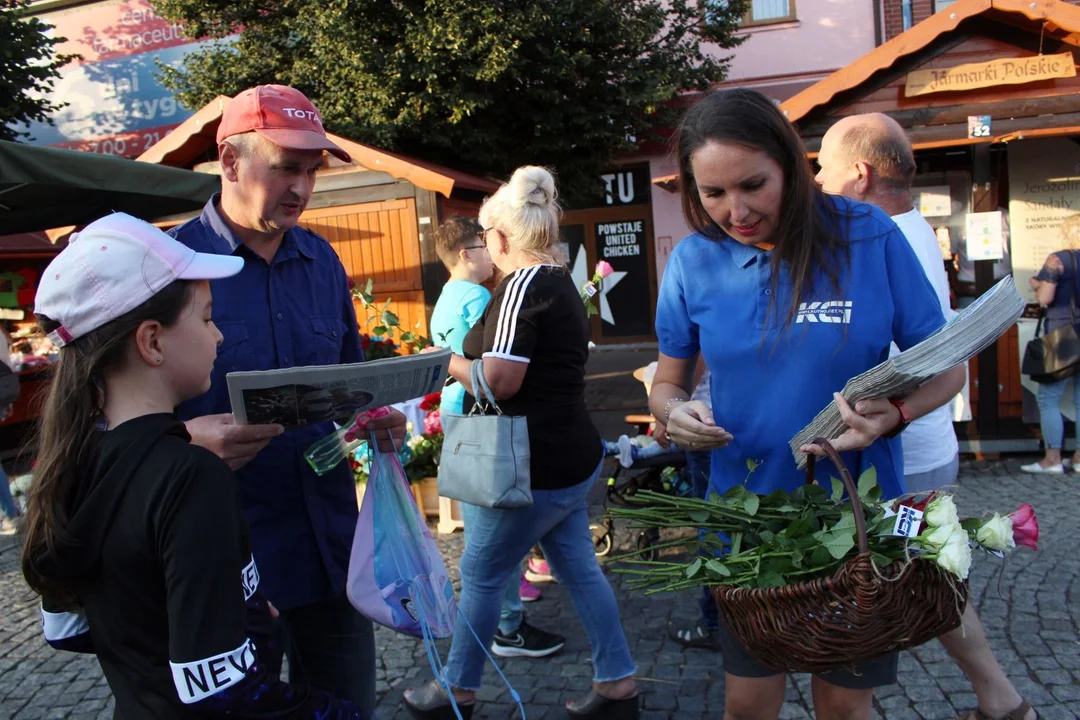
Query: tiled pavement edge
pixel 1030 617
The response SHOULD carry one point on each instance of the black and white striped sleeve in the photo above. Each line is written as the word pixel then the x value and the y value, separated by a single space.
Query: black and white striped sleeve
pixel 510 329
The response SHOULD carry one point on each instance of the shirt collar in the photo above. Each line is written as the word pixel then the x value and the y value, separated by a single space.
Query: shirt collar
pixel 743 255
pixel 225 242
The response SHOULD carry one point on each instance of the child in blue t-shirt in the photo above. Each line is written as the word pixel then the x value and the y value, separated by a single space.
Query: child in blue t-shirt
pixel 463 298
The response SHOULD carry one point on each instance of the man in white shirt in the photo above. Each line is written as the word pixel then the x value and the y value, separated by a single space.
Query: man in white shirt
pixel 869 158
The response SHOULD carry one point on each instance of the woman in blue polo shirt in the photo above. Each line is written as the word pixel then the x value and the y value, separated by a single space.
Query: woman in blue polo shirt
pixel 787 293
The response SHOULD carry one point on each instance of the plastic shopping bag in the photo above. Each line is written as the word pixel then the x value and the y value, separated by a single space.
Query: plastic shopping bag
pixel 397 577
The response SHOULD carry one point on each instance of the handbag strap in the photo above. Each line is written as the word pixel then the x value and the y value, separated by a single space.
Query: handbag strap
pixel 481 390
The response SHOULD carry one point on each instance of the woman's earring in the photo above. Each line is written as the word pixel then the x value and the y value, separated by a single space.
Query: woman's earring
pixel 159 359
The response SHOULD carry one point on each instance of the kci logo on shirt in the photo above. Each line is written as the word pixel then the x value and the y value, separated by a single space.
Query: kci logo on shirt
pixel 830 311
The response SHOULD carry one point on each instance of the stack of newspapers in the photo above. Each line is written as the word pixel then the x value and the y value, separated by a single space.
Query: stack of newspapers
pixel 962 338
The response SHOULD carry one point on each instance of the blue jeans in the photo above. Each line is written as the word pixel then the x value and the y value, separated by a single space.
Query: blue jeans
pixel 512 611
pixel 7 502
pixel 499 539
pixel 1049 400
pixel 699 464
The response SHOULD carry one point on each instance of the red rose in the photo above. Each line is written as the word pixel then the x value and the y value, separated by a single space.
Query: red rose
pixel 365 341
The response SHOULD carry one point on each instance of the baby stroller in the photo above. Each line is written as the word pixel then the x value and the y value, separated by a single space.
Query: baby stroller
pixel 657 470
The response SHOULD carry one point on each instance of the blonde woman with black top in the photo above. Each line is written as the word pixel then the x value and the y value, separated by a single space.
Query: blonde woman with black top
pixel 533 338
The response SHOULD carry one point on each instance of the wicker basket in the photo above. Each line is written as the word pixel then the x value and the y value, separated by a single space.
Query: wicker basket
pixel 853 616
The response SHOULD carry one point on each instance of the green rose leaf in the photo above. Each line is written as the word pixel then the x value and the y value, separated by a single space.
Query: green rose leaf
pixel 751 504
pixel 821 557
pixel 839 543
pixel 694 567
pixel 867 482
pixel 717 567
pixel 698 516
pixel 837 490
pixel 770 578
pixel 751 465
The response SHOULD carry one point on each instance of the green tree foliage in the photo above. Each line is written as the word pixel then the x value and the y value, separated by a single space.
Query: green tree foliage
pixel 28 67
pixel 480 85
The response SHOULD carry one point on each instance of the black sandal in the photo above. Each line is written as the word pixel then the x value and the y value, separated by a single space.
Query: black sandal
pixel 430 702
pixel 598 707
pixel 695 637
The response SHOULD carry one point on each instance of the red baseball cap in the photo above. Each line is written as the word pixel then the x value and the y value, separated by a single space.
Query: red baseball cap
pixel 282 115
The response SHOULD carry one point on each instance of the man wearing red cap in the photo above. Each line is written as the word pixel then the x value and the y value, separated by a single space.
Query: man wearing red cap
pixel 290 306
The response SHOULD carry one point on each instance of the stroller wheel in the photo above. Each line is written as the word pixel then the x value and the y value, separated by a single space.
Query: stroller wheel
pixel 644 542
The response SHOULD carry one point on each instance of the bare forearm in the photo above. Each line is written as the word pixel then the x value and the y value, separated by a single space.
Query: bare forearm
pixel 663 396
pixel 459 370
pixel 936 393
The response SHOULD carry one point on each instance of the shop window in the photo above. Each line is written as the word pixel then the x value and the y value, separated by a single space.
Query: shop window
pixel 940 5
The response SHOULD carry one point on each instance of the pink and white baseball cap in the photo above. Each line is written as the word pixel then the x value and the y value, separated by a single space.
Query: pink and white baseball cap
pixel 113 266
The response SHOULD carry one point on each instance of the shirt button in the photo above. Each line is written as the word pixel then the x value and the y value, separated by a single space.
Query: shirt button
pixel 335 333
pixel 768 291
pixel 279 316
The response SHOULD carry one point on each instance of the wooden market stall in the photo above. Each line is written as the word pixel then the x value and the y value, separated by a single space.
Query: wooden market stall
pixel 379 212
pixel 988 93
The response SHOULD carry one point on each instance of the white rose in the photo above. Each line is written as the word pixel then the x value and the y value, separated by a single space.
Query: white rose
pixel 941 512
pixel 936 538
pixel 996 533
pixel 956 555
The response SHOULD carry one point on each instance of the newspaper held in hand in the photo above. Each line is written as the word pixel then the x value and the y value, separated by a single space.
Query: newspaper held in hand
pixel 972 330
pixel 300 396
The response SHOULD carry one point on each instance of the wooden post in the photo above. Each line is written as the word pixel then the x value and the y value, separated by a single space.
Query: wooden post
pixel 984 199
pixel 432 272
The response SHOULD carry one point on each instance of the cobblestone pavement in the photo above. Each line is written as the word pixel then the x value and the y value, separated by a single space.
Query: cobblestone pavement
pixel 1029 616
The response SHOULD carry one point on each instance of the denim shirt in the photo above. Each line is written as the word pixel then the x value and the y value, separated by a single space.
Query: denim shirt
pixel 296 310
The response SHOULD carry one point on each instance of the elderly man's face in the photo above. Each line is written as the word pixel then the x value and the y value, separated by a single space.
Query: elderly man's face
pixel 838 174
pixel 274 184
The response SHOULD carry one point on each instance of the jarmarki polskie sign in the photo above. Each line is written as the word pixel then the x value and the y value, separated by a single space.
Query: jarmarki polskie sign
pixel 1014 71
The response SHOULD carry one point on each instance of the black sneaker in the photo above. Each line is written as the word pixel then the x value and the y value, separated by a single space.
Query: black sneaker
pixel 527 641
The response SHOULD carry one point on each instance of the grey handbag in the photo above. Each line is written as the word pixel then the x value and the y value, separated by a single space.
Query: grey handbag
pixel 485 458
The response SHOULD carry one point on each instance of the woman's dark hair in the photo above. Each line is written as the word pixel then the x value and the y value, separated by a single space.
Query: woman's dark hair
pixel 65 439
pixel 806 237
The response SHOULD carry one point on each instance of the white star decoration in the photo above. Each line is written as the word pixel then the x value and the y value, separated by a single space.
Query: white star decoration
pixel 580 275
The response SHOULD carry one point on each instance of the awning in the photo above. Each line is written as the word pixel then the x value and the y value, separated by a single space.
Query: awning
pixel 196 139
pixel 43 188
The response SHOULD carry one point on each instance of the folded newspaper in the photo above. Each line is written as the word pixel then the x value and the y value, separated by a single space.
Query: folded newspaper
pixel 300 396
pixel 972 330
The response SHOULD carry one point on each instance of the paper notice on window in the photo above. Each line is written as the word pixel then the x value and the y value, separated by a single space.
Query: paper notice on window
pixel 934 201
pixel 301 396
pixel 985 236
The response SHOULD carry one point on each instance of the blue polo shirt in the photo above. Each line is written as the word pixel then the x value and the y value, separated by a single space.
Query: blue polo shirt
pixel 769 382
pixel 296 310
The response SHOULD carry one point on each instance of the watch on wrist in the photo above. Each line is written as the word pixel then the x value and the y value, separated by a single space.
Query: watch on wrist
pixel 905 418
